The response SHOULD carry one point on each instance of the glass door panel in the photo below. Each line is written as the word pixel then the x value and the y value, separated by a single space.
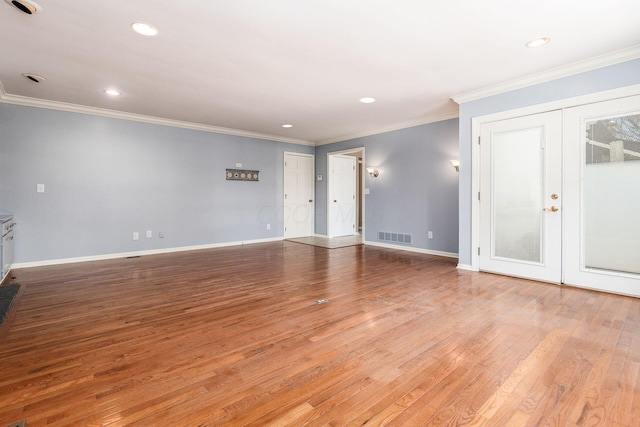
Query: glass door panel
pixel 517 194
pixel 611 189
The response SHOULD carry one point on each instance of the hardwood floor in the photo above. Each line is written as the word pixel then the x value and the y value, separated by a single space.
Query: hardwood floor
pixel 235 336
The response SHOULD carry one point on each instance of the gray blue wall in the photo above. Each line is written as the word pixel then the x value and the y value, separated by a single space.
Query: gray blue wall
pixel 612 77
pixel 417 189
pixel 106 178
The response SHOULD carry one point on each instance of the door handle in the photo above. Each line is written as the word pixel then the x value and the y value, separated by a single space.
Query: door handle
pixel 551 209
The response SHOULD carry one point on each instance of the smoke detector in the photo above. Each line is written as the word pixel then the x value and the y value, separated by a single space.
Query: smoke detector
pixel 26 6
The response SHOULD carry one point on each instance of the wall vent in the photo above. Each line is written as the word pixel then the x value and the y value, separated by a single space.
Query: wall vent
pixel 25 6
pixel 385 236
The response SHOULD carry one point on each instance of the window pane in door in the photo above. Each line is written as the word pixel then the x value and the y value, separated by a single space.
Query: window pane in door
pixel 517 174
pixel 611 194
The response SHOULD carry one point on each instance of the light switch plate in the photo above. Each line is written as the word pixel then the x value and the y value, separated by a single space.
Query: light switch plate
pixel 40 188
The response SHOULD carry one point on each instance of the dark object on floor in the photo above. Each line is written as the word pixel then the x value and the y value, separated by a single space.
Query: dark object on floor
pixel 7 294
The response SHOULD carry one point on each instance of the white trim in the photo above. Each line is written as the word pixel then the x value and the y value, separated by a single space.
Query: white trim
pixel 141 253
pixel 82 109
pixel 398 126
pixel 465 267
pixel 477 122
pixel 410 249
pixel 590 64
pixel 348 151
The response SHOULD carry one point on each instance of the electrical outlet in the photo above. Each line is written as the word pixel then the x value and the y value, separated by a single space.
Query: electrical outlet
pixel 268 226
pixel 39 188
pixel 136 235
pixel 430 234
pixel 22 423
pixel 149 234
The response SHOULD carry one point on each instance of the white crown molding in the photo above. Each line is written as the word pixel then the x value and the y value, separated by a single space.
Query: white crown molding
pixel 82 109
pixel 404 125
pixel 590 64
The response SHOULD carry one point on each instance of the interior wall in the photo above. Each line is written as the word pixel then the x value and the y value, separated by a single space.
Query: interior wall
pixel 107 178
pixel 606 78
pixel 417 189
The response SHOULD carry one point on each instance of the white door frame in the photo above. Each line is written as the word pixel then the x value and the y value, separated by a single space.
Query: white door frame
pixel 313 188
pixel 362 179
pixel 476 123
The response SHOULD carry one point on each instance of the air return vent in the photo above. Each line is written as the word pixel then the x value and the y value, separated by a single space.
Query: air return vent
pixel 385 236
pixel 26 6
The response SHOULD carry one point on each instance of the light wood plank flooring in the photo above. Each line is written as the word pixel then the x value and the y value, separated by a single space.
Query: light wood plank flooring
pixel 235 336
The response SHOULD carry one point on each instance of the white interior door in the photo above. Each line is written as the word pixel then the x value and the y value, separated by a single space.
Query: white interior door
pixel 520 197
pixel 602 187
pixel 298 195
pixel 341 196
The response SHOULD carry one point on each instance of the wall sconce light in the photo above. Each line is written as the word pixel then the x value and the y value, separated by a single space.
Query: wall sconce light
pixel 456 164
pixel 373 172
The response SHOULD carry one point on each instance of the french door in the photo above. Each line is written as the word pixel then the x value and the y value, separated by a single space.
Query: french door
pixel 560 196
pixel 602 202
pixel 521 197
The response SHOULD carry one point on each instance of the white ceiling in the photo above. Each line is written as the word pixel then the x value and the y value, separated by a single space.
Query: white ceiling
pixel 253 65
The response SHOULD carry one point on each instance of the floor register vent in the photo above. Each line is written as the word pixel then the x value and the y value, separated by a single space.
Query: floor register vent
pixel 385 236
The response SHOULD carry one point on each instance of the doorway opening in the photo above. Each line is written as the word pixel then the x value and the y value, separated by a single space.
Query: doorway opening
pixel 345 193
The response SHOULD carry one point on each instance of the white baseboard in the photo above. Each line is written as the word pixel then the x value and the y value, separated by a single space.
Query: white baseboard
pixel 466 267
pixel 410 249
pixel 139 253
pixel 211 246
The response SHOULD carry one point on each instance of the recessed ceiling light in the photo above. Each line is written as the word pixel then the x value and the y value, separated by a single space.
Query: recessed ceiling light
pixel 27 6
pixel 287 126
pixel 33 77
pixel 144 29
pixel 538 42
pixel 112 92
pixel 367 100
